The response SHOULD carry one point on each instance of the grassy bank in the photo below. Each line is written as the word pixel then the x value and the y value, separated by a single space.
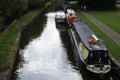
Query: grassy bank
pixel 113 48
pixel 9 39
pixel 110 18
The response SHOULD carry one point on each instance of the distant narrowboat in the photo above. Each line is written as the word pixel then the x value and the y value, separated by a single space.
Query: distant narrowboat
pixel 60 17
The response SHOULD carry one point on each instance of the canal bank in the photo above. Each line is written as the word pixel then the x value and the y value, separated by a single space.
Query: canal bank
pixel 56 59
pixel 115 69
pixel 22 22
pixel 109 32
pixel 45 52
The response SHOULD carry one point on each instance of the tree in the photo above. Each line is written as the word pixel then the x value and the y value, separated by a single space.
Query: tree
pixel 97 4
pixel 36 3
pixel 12 9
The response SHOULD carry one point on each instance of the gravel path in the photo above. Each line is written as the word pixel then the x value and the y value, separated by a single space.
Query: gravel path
pixel 107 30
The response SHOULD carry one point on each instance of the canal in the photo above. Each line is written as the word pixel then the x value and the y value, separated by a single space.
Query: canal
pixel 46 53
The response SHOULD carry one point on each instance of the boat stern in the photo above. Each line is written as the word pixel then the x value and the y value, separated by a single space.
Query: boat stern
pixel 99 70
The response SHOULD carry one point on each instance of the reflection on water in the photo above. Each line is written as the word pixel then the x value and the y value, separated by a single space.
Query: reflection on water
pixel 33 30
pixel 48 56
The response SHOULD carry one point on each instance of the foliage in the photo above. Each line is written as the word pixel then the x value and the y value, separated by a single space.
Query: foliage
pixel 8 43
pixel 98 4
pixel 12 9
pixel 36 3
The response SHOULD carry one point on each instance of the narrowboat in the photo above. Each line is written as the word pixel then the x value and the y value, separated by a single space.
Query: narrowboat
pixel 90 49
pixel 60 17
pixel 70 16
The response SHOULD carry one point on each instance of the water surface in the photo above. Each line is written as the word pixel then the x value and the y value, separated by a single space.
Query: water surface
pixel 48 55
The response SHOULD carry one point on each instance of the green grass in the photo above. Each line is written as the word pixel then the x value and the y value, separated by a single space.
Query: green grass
pixel 7 43
pixel 110 18
pixel 9 38
pixel 112 47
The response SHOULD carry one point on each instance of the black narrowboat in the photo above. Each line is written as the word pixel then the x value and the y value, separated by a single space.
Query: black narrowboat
pixel 90 49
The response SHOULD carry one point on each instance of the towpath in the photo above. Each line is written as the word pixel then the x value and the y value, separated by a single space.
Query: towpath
pixel 107 30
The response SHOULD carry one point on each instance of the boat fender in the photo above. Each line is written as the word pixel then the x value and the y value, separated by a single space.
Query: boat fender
pixel 92 41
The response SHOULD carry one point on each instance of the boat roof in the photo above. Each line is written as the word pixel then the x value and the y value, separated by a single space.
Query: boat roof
pixel 70 11
pixel 60 13
pixel 85 34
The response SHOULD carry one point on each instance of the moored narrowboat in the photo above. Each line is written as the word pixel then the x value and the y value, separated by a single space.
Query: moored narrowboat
pixel 70 16
pixel 91 50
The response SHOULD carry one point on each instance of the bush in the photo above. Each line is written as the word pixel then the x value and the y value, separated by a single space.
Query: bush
pixel 98 4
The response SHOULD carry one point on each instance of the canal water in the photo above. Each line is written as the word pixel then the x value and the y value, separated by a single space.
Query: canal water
pixel 45 53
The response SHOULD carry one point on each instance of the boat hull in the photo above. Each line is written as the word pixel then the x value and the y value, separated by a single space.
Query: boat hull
pixel 79 57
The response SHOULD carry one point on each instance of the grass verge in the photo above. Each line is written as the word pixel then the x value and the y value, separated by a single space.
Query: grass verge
pixel 7 43
pixel 112 47
pixel 110 18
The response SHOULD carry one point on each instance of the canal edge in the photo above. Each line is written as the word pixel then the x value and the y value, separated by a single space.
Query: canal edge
pixel 18 42
pixel 6 75
pixel 97 22
pixel 117 63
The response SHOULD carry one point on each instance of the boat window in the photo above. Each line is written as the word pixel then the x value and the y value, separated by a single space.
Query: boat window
pixel 98 57
pixel 77 37
pixel 91 54
pixel 82 47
